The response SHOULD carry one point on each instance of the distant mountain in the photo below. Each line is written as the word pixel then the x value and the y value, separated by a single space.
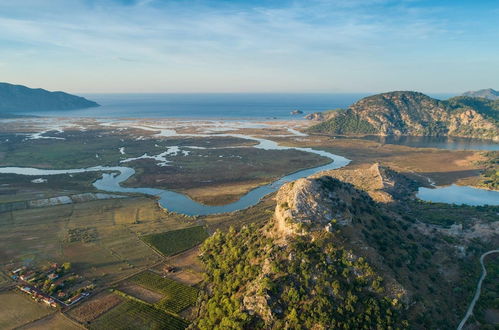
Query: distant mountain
pixel 488 93
pixel 413 113
pixel 18 98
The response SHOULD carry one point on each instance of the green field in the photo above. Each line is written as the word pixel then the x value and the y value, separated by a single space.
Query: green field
pixel 178 296
pixel 173 242
pixel 136 315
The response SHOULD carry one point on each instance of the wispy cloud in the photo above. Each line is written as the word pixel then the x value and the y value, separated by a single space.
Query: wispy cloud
pixel 300 36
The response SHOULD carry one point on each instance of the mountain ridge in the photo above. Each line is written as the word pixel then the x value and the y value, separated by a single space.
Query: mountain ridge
pixel 414 113
pixel 18 98
pixel 487 93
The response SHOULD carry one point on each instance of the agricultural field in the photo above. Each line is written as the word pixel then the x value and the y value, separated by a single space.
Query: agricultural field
pixel 94 307
pixel 140 292
pixel 54 321
pixel 99 238
pixel 178 296
pixel 132 314
pixel 188 267
pixel 18 309
pixel 172 242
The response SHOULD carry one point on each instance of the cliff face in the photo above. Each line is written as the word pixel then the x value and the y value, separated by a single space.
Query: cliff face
pixel 17 98
pixel 413 113
pixel 306 203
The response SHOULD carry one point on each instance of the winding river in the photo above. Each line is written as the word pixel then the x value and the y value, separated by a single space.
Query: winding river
pixel 113 176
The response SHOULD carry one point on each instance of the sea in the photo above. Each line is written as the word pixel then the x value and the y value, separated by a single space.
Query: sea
pixel 249 106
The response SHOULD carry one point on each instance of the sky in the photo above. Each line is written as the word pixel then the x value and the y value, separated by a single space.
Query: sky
pixel 309 46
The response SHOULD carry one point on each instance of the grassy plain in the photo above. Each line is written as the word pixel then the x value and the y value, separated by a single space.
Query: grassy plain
pixel 221 176
pixel 18 309
pixel 54 321
pixel 442 166
pixel 215 176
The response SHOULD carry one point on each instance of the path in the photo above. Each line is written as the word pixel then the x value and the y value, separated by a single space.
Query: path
pixel 478 289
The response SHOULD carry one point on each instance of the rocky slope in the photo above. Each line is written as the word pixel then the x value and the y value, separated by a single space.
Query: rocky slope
pixel 333 257
pixel 488 93
pixel 17 98
pixel 413 113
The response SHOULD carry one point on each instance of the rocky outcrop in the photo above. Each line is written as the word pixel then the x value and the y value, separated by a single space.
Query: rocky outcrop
pixel 381 183
pixel 312 203
pixel 413 113
pixel 320 116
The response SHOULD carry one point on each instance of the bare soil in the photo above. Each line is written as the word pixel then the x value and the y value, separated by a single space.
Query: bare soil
pixel 140 292
pixel 96 306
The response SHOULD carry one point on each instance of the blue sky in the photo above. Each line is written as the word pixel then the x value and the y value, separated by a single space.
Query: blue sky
pixel 250 46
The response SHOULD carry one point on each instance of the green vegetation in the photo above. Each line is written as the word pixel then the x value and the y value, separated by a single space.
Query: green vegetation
pixel 487 308
pixel 490 177
pixel 446 215
pixel 413 113
pixel 178 296
pixel 346 122
pixel 487 108
pixel 312 283
pixel 173 242
pixel 133 314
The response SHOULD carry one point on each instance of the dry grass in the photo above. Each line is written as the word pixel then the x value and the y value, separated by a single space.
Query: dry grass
pixel 54 321
pixel 18 309
pixel 442 166
pixel 91 309
pixel 140 292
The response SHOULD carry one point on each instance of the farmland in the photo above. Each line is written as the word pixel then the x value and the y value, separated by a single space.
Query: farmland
pixel 91 309
pixel 172 242
pixel 132 314
pixel 54 321
pixel 112 251
pixel 178 296
pixel 19 309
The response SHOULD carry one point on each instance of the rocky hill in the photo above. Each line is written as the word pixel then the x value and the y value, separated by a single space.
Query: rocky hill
pixel 332 257
pixel 413 113
pixel 18 98
pixel 488 93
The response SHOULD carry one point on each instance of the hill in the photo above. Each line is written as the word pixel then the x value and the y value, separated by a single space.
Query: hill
pixel 332 257
pixel 488 93
pixel 413 113
pixel 18 98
